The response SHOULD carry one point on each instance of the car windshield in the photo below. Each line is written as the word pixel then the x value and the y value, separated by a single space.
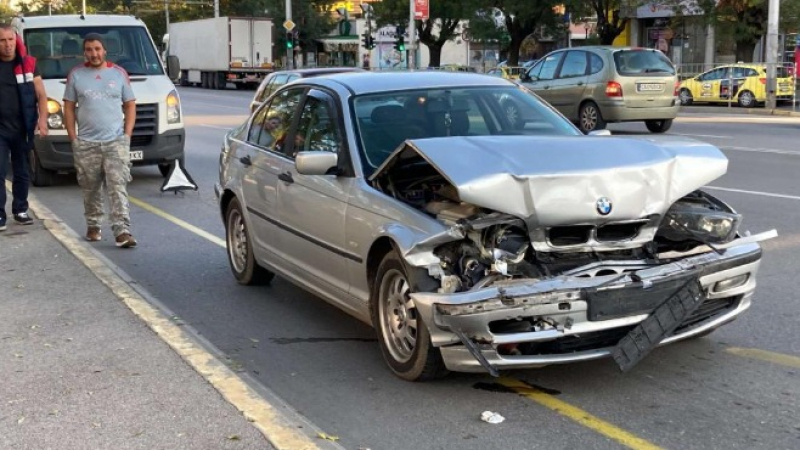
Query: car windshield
pixel 384 121
pixel 58 50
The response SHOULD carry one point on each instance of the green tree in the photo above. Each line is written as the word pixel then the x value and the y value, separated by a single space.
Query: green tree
pixel 445 17
pixel 522 18
pixel 609 14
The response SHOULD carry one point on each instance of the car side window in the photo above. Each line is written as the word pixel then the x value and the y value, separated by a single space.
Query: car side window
pixel 751 72
pixel 278 81
pixel 546 68
pixel 574 65
pixel 317 129
pixel 595 64
pixel 278 119
pixel 256 125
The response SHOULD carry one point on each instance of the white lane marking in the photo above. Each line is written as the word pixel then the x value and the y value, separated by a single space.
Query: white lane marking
pixel 713 136
pixel 217 105
pixel 762 194
pixel 761 150
pixel 212 126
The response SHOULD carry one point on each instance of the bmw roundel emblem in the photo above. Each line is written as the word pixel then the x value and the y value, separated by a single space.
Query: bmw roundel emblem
pixel 603 206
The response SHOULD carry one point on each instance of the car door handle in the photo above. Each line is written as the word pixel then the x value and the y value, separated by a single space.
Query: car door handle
pixel 580 83
pixel 286 177
pixel 246 160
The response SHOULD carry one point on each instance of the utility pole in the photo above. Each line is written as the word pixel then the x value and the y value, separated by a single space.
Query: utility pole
pixel 412 39
pixel 289 50
pixel 166 12
pixel 772 52
pixel 216 8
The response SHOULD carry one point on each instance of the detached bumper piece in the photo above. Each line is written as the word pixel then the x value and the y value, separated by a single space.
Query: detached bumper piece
pixel 660 324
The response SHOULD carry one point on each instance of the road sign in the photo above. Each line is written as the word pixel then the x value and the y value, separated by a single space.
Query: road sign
pixel 421 10
pixel 289 25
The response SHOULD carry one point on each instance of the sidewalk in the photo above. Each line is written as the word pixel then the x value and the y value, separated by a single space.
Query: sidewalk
pixel 80 370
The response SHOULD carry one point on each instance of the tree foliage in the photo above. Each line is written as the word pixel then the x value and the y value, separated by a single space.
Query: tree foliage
pixel 442 26
pixel 609 14
pixel 522 18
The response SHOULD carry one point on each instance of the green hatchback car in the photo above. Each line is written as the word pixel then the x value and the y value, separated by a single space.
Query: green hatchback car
pixel 595 85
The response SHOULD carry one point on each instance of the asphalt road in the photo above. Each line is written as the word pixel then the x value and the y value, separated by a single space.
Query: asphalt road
pixel 738 388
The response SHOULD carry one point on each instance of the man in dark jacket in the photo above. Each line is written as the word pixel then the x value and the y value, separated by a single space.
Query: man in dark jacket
pixel 23 110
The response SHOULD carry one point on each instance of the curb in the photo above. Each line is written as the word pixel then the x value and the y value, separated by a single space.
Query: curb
pixel 276 421
pixel 736 110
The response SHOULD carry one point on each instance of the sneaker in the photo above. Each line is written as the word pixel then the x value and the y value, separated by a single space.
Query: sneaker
pixel 2 224
pixel 93 234
pixel 125 240
pixel 23 218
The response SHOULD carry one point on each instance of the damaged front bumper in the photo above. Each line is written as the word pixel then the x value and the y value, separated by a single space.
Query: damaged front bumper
pixel 585 314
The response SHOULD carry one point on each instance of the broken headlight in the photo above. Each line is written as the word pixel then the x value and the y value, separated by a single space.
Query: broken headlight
pixel 701 224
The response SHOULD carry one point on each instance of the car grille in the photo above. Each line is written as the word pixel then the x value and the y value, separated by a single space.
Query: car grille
pixel 565 236
pixel 146 125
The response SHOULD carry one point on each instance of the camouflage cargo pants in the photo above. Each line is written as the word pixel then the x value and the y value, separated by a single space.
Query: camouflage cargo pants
pixel 109 164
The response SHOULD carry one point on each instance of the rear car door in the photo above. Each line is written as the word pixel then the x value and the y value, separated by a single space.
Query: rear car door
pixel 313 208
pixel 647 77
pixel 567 90
pixel 263 162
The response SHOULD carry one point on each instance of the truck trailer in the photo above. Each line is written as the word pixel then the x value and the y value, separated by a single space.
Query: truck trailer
pixel 221 50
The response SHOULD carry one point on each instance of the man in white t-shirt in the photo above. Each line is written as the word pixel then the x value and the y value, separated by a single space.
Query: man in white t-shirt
pixel 101 93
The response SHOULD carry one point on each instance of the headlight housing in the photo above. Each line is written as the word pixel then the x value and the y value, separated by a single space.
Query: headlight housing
pixel 55 115
pixel 683 222
pixel 173 107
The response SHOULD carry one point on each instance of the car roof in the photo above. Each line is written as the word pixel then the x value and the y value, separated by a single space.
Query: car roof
pixel 311 72
pixel 375 82
pixel 76 20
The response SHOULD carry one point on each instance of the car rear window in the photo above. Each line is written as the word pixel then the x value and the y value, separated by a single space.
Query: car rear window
pixel 638 62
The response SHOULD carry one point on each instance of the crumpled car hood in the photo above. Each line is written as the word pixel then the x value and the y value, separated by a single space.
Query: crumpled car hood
pixel 558 180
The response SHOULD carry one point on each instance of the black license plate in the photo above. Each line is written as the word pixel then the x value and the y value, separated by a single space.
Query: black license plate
pixel 612 303
pixel 638 343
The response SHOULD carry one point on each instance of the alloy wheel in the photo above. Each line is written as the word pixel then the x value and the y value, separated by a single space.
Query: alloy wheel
pixel 398 315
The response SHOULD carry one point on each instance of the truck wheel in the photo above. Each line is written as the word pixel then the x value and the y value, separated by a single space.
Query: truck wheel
pixel 40 177
pixel 204 80
pixel 240 249
pixel 222 82
pixel 403 337
pixel 184 80
pixel 164 168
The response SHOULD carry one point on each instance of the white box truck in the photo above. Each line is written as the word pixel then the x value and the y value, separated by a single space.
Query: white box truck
pixel 221 50
pixel 57 43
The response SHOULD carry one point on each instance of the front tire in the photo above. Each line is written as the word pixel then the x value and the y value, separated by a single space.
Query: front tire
pixel 240 248
pixel 590 118
pixel 40 177
pixel 404 338
pixel 658 126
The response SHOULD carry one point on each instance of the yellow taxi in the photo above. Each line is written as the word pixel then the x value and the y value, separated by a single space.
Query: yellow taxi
pixel 509 73
pixel 745 84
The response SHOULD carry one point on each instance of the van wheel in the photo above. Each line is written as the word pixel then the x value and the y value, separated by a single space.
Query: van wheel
pixel 240 248
pixel 403 337
pixel 589 118
pixel 164 168
pixel 658 126
pixel 686 97
pixel 747 99
pixel 40 177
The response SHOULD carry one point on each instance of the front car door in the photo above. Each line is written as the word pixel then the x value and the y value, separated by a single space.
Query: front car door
pixel 313 208
pixel 542 75
pixel 566 91
pixel 264 162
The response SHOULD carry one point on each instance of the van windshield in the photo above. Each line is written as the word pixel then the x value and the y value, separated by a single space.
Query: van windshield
pixel 58 50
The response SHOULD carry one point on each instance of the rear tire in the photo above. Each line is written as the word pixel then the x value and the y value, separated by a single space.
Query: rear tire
pixel 404 338
pixel 686 97
pixel 221 81
pixel 590 118
pixel 40 177
pixel 747 99
pixel 240 248
pixel 658 126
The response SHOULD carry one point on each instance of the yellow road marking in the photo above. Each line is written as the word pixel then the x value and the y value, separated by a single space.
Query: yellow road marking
pixel 763 355
pixel 262 414
pixel 178 222
pixel 578 415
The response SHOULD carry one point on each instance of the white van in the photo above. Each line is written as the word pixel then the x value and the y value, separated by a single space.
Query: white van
pixel 57 43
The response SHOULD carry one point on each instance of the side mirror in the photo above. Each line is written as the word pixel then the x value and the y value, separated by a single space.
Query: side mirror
pixel 173 67
pixel 315 163
pixel 600 133
pixel 523 76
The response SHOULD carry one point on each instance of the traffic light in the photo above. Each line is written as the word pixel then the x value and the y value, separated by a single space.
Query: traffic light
pixel 400 43
pixel 289 40
pixel 369 41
